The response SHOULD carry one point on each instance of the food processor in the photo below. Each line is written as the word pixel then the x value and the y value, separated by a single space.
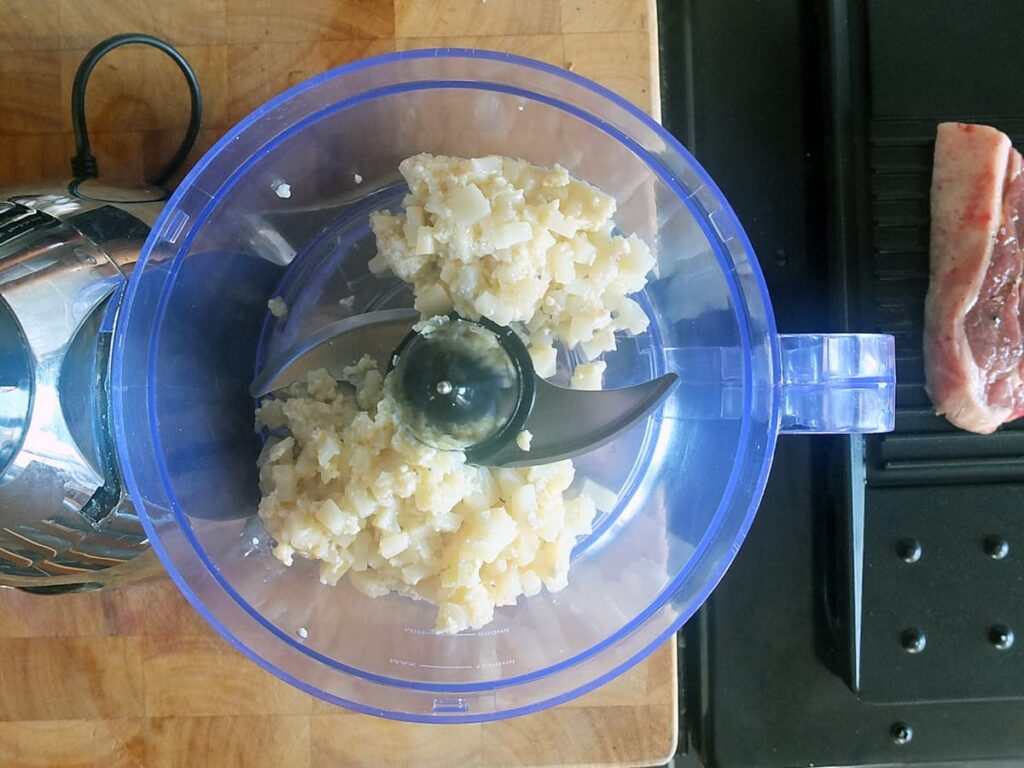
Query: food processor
pixel 279 208
pixel 66 522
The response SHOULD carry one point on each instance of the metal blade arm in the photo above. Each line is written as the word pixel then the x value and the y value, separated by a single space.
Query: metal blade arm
pixel 566 422
pixel 337 345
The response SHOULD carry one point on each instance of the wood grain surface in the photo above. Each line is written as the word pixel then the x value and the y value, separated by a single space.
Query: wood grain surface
pixel 245 51
pixel 133 677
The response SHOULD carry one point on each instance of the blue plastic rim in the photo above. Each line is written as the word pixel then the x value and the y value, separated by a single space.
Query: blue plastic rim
pixel 196 571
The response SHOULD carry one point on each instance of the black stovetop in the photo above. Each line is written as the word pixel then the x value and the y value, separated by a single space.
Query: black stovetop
pixel 817 118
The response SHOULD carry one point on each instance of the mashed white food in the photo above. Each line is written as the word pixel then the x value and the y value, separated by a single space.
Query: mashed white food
pixel 349 487
pixel 352 489
pixel 515 243
pixel 524 440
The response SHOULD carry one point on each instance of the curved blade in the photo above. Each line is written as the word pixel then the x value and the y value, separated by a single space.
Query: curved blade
pixel 566 422
pixel 336 346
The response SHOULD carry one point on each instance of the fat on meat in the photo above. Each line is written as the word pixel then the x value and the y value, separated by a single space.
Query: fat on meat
pixel 973 347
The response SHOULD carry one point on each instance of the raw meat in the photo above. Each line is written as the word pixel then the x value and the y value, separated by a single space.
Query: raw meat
pixel 973 347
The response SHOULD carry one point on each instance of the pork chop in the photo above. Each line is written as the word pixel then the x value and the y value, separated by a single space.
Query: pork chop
pixel 973 347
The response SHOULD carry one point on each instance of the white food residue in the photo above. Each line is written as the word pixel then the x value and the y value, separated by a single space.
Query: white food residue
pixel 524 439
pixel 358 178
pixel 278 307
pixel 604 499
pixel 283 190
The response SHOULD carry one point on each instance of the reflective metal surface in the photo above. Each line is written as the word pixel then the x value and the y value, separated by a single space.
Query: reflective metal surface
pixel 336 346
pixel 15 385
pixel 64 515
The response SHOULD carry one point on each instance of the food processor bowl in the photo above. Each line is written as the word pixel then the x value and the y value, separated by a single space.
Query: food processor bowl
pixel 279 209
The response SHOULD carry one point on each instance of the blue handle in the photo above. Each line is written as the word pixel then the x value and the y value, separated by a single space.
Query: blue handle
pixel 838 383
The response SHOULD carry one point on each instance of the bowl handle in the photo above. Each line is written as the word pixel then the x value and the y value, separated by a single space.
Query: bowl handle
pixel 837 383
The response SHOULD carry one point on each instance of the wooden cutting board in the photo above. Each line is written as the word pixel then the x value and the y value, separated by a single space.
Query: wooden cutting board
pixel 133 677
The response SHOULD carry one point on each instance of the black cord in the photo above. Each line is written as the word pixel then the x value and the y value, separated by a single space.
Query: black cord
pixel 83 164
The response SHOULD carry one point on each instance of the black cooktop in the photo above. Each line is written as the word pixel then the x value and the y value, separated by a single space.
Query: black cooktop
pixel 875 614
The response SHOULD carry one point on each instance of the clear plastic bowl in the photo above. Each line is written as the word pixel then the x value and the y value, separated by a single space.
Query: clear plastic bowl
pixel 279 207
